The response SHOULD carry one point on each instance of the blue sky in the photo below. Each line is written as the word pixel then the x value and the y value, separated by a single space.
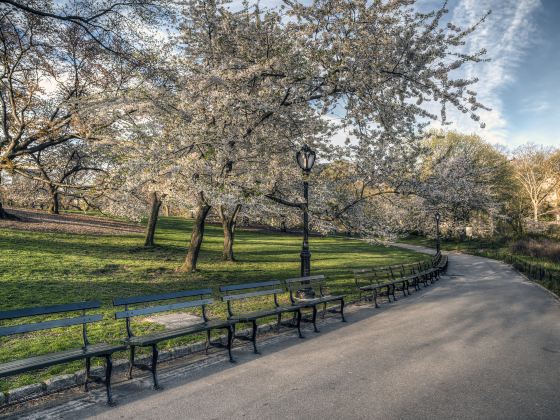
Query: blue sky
pixel 521 82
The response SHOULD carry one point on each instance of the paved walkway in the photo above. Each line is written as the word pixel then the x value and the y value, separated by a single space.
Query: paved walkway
pixel 481 343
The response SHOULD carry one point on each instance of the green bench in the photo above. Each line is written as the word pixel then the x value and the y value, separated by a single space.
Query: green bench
pixel 427 273
pixel 385 281
pixel 379 282
pixel 440 262
pixel 186 299
pixel 86 352
pixel 242 292
pixel 316 289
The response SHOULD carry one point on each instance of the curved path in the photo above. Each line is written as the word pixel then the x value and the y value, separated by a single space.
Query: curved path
pixel 481 343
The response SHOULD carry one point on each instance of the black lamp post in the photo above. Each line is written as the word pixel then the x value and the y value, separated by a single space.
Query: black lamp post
pixel 438 245
pixel 305 159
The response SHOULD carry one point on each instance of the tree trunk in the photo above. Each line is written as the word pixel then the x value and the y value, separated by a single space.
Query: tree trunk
pixel 228 224
pixel 3 213
pixel 197 235
pixel 54 207
pixel 536 212
pixel 155 204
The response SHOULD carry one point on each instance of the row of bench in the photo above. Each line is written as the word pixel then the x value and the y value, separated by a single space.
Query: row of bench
pixel 378 283
pixel 385 281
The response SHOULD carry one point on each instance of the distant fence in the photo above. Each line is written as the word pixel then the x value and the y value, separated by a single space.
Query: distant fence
pixel 548 277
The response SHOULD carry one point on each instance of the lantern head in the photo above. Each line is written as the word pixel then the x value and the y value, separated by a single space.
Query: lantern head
pixel 305 158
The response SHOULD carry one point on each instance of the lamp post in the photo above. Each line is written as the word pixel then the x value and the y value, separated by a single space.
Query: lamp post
pixel 438 245
pixel 305 159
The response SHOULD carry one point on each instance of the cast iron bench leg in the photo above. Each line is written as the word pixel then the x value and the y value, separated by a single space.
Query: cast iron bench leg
pixel 278 322
pixel 375 298
pixel 231 333
pixel 88 368
pixel 299 324
pixel 342 310
pixel 207 346
pixel 131 361
pixel 393 287
pixel 108 372
pixel 254 337
pixel 315 319
pixel 154 366
pixel 325 308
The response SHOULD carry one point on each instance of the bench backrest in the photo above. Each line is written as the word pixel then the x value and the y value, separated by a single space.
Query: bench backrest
pixel 425 268
pixel 144 305
pixel 407 269
pixel 316 283
pixel 368 276
pixel 83 319
pixel 239 292
pixel 410 267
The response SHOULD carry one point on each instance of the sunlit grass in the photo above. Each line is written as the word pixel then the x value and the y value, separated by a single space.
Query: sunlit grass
pixel 40 269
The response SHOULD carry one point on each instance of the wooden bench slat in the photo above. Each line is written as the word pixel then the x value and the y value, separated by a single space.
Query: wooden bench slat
pixel 177 332
pixel 164 296
pixel 265 312
pixel 293 286
pixel 45 310
pixel 38 326
pixel 251 294
pixel 162 308
pixel 305 279
pixel 320 299
pixel 45 360
pixel 249 285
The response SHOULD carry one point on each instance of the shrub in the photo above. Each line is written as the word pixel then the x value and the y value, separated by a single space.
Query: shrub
pixel 542 248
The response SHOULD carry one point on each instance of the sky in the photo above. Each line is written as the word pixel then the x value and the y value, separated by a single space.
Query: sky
pixel 521 83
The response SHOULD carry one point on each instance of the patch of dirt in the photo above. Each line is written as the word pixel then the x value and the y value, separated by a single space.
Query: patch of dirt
pixel 175 320
pixel 106 269
pixel 40 221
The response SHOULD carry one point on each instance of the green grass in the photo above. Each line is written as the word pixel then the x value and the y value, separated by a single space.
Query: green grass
pixel 50 268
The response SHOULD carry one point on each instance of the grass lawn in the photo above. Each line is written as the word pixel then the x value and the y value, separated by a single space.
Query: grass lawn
pixel 473 246
pixel 50 268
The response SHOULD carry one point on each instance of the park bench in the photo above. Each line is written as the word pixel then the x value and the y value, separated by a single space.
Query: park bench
pixel 423 272
pixel 185 299
pixel 86 352
pixel 316 288
pixel 439 261
pixel 407 273
pixel 379 282
pixel 243 292
pixel 427 273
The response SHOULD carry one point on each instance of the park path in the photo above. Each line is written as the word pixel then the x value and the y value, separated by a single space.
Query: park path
pixel 481 343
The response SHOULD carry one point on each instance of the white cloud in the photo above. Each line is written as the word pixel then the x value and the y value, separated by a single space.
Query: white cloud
pixel 535 105
pixel 507 34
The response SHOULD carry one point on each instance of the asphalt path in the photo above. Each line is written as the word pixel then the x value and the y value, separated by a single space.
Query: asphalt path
pixel 483 342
